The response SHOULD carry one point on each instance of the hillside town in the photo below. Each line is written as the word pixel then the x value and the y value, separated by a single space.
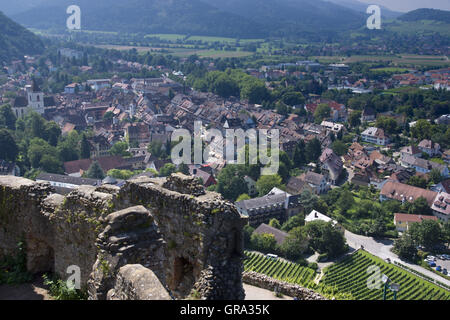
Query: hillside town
pixel 95 165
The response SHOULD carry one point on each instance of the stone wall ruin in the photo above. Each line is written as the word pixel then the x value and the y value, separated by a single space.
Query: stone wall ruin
pixel 172 232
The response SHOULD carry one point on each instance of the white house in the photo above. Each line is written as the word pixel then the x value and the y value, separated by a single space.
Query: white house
pixel 375 136
pixel 98 84
pixel 441 206
pixel 71 88
pixel 316 215
pixel 429 147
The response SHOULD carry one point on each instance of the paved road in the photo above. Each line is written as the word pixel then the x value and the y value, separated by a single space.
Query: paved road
pixel 255 293
pixel 382 249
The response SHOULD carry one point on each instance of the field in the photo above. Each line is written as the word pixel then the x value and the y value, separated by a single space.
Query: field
pixel 351 276
pixel 168 37
pixel 278 269
pixel 390 70
pixel 394 60
pixel 420 27
pixel 182 52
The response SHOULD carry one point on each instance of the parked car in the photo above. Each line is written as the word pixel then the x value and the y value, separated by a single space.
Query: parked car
pixel 432 264
pixel 447 256
pixel 439 268
pixel 431 258
pixel 445 271
pixel 272 256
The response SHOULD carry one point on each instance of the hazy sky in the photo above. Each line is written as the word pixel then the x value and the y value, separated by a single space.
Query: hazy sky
pixel 408 5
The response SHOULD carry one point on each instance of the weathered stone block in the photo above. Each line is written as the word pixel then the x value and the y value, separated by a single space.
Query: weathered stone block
pixel 134 282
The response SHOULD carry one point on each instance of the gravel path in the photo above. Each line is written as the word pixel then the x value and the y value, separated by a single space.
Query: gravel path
pixel 27 291
pixel 255 293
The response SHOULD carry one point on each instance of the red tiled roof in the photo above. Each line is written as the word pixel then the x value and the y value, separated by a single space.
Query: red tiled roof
pixel 107 163
pixel 399 191
pixel 405 217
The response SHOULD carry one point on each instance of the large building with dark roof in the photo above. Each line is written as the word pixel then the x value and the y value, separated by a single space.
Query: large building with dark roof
pixel 278 205
pixel 64 184
pixel 405 193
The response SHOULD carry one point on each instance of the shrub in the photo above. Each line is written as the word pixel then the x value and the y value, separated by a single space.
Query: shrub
pixel 58 290
pixel 302 262
pixel 13 269
pixel 313 266
pixel 323 257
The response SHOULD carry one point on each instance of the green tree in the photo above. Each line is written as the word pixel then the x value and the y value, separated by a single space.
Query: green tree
pixel 85 148
pixel 293 222
pixel 389 125
pixel 36 124
pixel 417 181
pixel 296 243
pixel 405 247
pixel 346 201
pixel 267 183
pixel 326 238
pixel 224 86
pixel 435 176
pixel 274 223
pixel 313 150
pixel 156 149
pixel 422 130
pixel 420 206
pixel 427 233
pixel 167 170
pixel 339 148
pixel 307 200
pixel 446 233
pixel 8 147
pixel 231 183
pixel 122 174
pixel 183 168
pixel 243 197
pixel 67 147
pixel 248 231
pixel 37 149
pixel 120 149
pixel 51 164
pixel 292 98
pixel 322 112
pixel 354 119
pixel 95 171
pixel 265 242
pixel 254 91
pixel 52 132
pixel 7 117
pixel 299 157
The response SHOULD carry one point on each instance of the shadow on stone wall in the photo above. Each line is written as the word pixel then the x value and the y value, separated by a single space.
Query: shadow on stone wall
pixel 186 237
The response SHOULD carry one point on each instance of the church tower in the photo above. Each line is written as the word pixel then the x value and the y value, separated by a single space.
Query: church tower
pixel 35 97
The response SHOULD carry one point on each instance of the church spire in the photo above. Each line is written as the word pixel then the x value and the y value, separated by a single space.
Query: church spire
pixel 35 86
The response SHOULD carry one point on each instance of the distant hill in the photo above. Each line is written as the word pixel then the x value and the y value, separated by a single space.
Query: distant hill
pixel 422 22
pixel 295 17
pixel 145 16
pixel 426 14
pixel 362 7
pixel 16 41
pixel 229 18
pixel 9 7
